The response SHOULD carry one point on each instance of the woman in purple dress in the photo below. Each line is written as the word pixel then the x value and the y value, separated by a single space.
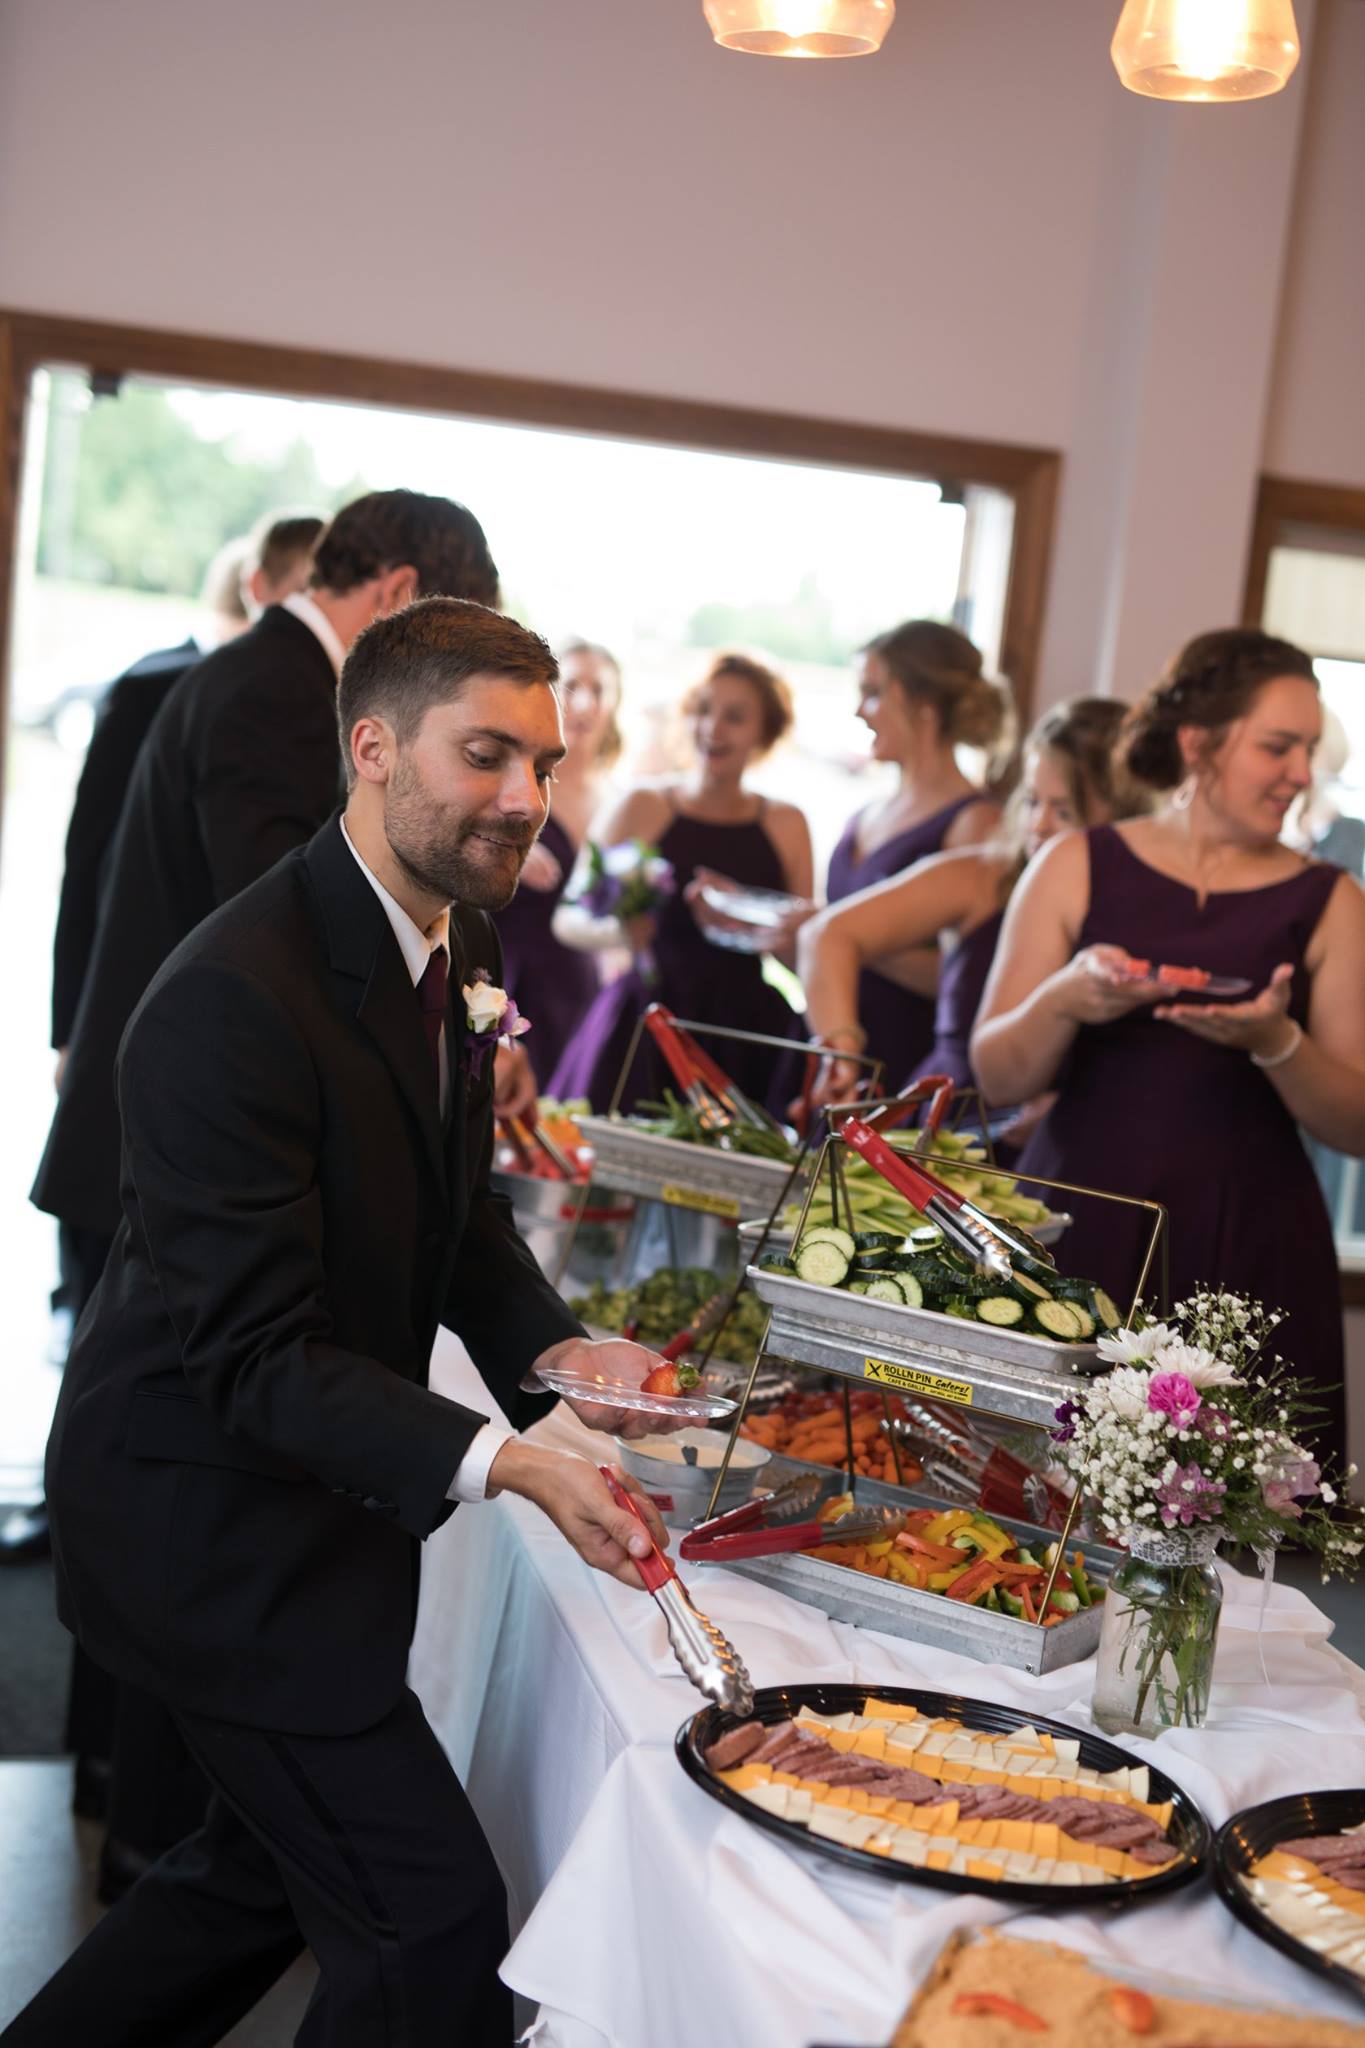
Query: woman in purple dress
pixel 922 694
pixel 955 900
pixel 1197 1103
pixel 708 821
pixel 553 985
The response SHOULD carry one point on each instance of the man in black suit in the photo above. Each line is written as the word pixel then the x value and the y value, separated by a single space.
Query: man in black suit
pixel 277 563
pixel 246 1452
pixel 240 767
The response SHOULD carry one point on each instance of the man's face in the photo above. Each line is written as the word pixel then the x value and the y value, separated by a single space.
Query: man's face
pixel 470 791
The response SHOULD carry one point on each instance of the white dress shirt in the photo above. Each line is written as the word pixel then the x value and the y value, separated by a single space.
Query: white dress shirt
pixel 315 618
pixel 417 946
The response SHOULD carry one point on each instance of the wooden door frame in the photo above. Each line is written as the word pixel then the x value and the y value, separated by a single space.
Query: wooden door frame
pixel 1283 502
pixel 1029 475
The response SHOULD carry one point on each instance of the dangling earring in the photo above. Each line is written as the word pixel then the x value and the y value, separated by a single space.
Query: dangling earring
pixel 1184 796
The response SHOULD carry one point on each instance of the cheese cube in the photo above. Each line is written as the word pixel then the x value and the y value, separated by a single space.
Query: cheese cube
pixel 1046 1839
pixel 1114 1861
pixel 938 1859
pixel 871 1742
pixel 771 1798
pixel 985 1868
pixel 942 1820
pixel 745 1775
pixel 1016 1834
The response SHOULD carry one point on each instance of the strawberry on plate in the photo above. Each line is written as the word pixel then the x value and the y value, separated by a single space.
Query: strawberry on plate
pixel 671 1380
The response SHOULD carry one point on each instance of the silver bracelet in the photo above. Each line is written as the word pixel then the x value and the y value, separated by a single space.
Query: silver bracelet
pixel 1277 1059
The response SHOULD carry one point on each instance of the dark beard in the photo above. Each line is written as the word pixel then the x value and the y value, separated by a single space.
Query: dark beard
pixel 451 862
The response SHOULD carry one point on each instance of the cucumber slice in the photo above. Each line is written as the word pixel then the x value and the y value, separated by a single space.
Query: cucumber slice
pixel 1103 1309
pixel 1086 1319
pixel 859 1286
pixel 822 1262
pixel 1003 1311
pixel 911 1290
pixel 1028 1268
pixel 925 1236
pixel 775 1262
pixel 885 1288
pixel 1058 1320
pixel 955 1305
pixel 1030 1289
pixel 878 1241
pixel 831 1233
pixel 874 1262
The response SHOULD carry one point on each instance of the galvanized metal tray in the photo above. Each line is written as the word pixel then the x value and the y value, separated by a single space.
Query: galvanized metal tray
pixel 729 1184
pixel 919 1617
pixel 919 1351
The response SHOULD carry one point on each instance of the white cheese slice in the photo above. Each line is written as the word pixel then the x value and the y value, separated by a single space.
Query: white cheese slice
pixel 1020 1864
pixel 1066 1767
pixel 1140 1783
pixel 908 1845
pixel 961 1749
pixel 832 1822
pixel 799 1803
pixel 772 1798
pixel 936 1741
pixel 959 1863
pixel 863 1826
pixel 907 1735
pixel 1091 1873
pixel 1066 1873
pixel 1067 1746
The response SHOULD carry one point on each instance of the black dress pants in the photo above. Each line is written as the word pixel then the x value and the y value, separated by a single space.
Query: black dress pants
pixel 363 1847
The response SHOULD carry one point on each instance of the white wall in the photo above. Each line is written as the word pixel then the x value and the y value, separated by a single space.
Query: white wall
pixel 976 232
pixel 1316 427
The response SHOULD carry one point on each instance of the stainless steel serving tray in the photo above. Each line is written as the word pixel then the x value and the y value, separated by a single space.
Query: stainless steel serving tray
pixel 918 1351
pixel 729 1184
pixel 917 1617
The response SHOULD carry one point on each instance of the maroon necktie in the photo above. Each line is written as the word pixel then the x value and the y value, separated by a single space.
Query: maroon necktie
pixel 431 999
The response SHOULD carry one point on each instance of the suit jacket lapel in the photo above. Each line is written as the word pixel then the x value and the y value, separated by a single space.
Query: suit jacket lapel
pixel 362 948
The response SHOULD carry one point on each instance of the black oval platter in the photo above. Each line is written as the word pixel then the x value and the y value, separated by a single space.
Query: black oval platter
pixel 1188 1831
pixel 1253 1833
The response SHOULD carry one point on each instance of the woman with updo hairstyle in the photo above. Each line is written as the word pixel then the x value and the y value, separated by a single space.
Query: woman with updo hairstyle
pixel 956 900
pixel 707 825
pixel 1195 1101
pixel 552 983
pixel 922 694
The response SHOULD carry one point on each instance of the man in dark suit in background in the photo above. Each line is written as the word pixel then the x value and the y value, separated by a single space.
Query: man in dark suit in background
pixel 240 767
pixel 246 1452
pixel 277 562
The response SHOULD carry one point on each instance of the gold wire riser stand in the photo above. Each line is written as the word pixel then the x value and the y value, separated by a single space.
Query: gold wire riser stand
pixel 807 1050
pixel 830 1161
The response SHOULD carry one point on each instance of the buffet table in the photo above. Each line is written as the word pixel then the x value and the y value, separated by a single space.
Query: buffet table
pixel 644 1913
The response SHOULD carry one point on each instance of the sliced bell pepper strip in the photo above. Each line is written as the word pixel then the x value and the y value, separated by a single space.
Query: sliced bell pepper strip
pixel 939 1582
pixel 974 1581
pixel 943 1526
pixel 974 2003
pixel 937 1553
pixel 1026 1595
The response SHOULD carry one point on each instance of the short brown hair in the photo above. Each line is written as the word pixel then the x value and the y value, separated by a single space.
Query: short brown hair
pixel 425 654
pixel 282 540
pixel 1214 680
pixel 441 540
pixel 936 665
pixel 1083 734
pixel 774 697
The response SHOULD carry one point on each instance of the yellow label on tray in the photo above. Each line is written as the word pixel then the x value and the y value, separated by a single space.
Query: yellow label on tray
pixel 697 1198
pixel 910 1379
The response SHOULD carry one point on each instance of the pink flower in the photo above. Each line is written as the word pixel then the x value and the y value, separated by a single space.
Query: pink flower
pixel 1297 1479
pixel 1172 1395
pixel 1213 1425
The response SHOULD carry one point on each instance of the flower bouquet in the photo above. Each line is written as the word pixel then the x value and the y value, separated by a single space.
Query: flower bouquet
pixel 1191 1441
pixel 626 881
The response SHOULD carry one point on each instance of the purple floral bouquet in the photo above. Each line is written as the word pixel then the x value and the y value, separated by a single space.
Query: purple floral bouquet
pixel 1196 1424
pixel 626 881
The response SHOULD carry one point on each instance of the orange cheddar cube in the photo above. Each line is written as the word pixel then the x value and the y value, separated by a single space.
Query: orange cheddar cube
pixel 1047 1839
pixel 943 1819
pixel 1116 1862
pixel 937 1859
pixel 1015 1834
pixel 990 1871
pixel 870 1742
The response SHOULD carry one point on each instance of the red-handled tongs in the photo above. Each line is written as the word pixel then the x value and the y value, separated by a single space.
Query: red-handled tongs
pixel 962 1223
pixel 707 1656
pixel 757 1530
pixel 706 1085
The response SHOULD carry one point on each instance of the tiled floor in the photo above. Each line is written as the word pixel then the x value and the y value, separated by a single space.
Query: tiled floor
pixel 47 1902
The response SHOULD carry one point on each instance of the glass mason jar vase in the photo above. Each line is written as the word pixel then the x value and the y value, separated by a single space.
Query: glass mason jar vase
pixel 1160 1629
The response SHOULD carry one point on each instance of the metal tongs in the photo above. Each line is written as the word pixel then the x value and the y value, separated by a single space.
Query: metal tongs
pixel 717 1101
pixel 707 1656
pixel 760 1527
pixel 963 1462
pixel 987 1243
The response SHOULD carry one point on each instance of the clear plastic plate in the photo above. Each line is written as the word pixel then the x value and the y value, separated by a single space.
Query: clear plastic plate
pixel 697 1406
pixel 763 908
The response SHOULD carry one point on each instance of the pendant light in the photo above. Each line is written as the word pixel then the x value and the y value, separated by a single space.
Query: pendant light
pixel 801 28
pixel 1205 49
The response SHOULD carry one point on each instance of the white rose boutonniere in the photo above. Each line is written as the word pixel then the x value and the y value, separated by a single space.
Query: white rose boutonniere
pixel 491 1018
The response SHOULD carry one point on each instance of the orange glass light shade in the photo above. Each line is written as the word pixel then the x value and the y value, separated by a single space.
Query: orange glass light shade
pixel 1205 49
pixel 801 28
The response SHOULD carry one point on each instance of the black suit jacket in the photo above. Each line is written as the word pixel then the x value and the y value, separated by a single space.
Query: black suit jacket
pixel 245 1450
pixel 241 766
pixel 125 718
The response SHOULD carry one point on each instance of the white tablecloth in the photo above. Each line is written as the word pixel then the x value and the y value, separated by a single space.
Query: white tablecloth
pixel 646 1916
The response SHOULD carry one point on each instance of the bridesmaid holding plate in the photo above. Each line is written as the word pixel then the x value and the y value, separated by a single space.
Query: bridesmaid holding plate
pixel 1197 1102
pixel 710 827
